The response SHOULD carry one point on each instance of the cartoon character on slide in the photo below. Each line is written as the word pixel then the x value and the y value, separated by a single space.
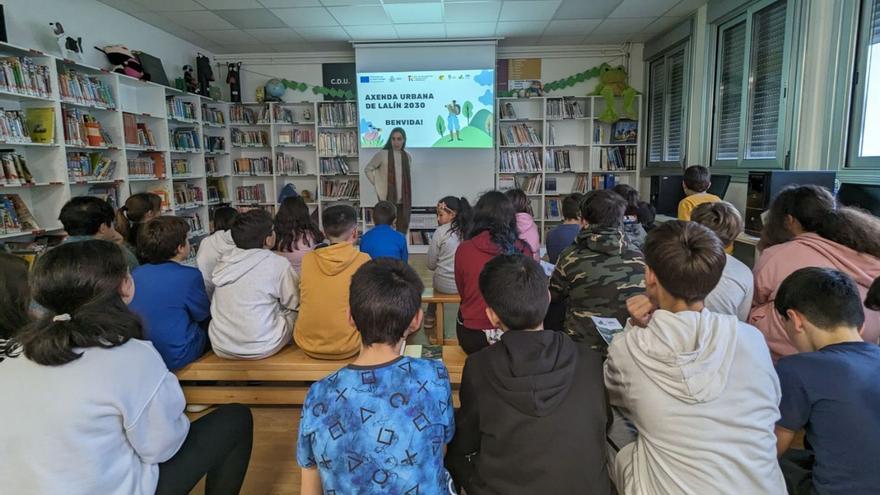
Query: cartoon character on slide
pixel 452 121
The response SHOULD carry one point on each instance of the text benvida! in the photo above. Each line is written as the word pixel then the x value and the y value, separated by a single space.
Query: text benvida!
pixel 388 102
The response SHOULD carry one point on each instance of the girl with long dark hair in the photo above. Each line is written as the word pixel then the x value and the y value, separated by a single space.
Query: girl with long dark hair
pixel 389 172
pixel 805 227
pixel 453 220
pixel 138 209
pixel 493 232
pixel 95 408
pixel 295 233
pixel 15 297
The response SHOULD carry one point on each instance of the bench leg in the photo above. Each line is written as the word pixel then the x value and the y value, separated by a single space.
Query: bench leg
pixel 438 325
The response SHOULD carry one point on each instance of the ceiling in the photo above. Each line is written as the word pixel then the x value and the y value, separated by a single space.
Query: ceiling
pixel 260 26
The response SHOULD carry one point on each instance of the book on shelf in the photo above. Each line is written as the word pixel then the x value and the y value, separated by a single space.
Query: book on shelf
pixel 553 209
pixel 213 115
pixel 618 158
pixel 180 166
pixel 211 165
pixel 129 128
pixel 625 132
pixel 22 75
pixel 163 195
pixel 186 194
pixel 564 108
pixel 506 182
pixel 180 109
pixel 520 135
pixel 337 143
pixel 184 138
pixel 88 90
pixel 14 171
pixel 16 217
pixel 249 138
pixel 82 128
pixel 252 166
pixel 41 124
pixel 558 160
pixel 195 223
pixel 217 191
pixel 550 185
pixel 337 114
pixel 580 185
pixel 147 165
pixel 334 166
pixel 604 181
pixel 423 218
pixel 303 137
pixel 290 165
pixel 241 114
pixel 507 111
pixel 601 132
pixel 520 161
pixel 107 192
pixel 142 137
pixel 90 166
pixel 420 237
pixel 531 184
pixel 214 143
pixel 251 194
pixel 340 189
pixel 13 128
pixel 282 115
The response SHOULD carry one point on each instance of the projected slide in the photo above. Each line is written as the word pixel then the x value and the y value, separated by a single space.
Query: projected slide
pixel 437 109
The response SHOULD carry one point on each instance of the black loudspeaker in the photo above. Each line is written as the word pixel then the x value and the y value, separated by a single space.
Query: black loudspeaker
pixel 764 186
pixel 666 193
pixel 3 26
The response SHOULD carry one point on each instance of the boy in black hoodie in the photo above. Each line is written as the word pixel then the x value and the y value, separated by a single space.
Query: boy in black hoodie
pixel 533 408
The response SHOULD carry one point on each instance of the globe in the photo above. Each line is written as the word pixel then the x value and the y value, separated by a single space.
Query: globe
pixel 275 89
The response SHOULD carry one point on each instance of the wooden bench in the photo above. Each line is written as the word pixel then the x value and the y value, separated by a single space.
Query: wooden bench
pixel 439 298
pixel 291 369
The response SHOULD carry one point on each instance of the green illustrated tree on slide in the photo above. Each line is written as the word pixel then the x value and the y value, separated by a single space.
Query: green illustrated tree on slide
pixel 468 111
pixel 441 126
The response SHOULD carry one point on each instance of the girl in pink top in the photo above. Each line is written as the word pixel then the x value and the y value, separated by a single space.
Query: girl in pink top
pixel 804 228
pixel 295 232
pixel 526 228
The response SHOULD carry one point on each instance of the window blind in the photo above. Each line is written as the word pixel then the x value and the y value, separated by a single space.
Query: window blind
pixel 767 54
pixel 658 85
pixel 676 100
pixel 733 43
pixel 875 23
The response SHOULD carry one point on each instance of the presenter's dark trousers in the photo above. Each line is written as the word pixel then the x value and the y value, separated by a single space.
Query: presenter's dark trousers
pixel 469 339
pixel 797 469
pixel 402 221
pixel 218 445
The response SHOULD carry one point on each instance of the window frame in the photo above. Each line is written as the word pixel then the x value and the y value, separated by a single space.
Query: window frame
pixel 858 104
pixel 787 84
pixel 683 47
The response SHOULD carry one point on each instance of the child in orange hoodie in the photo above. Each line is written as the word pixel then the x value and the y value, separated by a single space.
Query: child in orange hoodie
pixel 322 329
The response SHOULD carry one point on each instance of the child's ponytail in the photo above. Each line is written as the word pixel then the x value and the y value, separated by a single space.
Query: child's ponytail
pixel 463 214
pixel 138 208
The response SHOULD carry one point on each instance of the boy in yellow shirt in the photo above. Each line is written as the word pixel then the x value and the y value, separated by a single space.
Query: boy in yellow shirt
pixel 322 329
pixel 697 181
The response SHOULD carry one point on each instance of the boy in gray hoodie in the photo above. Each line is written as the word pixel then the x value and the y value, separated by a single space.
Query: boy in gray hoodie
pixel 699 386
pixel 256 295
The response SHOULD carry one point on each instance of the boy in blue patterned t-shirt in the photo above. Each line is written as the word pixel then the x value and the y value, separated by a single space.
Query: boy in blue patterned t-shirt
pixel 380 424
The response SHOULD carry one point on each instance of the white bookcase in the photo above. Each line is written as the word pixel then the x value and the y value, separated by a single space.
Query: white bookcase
pixel 534 159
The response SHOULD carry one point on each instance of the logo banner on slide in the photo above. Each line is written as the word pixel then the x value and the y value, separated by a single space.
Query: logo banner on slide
pixel 437 109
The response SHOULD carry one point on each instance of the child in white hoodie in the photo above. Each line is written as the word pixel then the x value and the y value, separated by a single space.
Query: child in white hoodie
pixel 699 386
pixel 215 245
pixel 256 295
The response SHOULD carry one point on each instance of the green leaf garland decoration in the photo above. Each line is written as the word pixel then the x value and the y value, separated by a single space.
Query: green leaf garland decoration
pixel 318 90
pixel 564 82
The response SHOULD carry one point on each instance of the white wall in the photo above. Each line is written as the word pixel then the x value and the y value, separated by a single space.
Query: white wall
pixel 27 25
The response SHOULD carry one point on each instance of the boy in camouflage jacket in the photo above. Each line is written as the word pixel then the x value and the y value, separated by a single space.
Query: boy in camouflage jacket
pixel 595 275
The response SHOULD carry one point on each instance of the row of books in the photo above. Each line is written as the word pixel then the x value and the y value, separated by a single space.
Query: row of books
pixel 520 161
pixel 290 165
pixel 519 135
pixel 195 224
pixel 251 194
pixel 337 114
pixel 15 216
pixel 280 114
pixel 137 133
pixel 423 218
pixel 603 181
pixel 147 165
pixel 531 184
pixel 83 129
pixel 340 189
pixel 564 108
pixel 184 138
pixel 13 128
pixel 107 192
pixel 213 115
pixel 14 171
pixel 180 166
pixel 420 237
pixel 216 191
pixel 297 136
pixel 212 166
pixel 621 158
pixel 186 194
pixel 214 143
pixel 180 109
pixel 557 160
pixel 553 209
pixel 252 166
pixel 90 166
pixel 337 143
pixel 334 166
pixel 507 111
pixel 84 89
pixel 240 114
pixel 249 138
pixel 620 132
pixel 24 76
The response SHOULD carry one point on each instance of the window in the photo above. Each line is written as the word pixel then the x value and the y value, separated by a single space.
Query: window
pixel 666 107
pixel 750 87
pixel 865 126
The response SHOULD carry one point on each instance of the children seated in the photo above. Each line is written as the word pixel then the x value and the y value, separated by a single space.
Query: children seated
pixel 138 209
pixel 596 275
pixel 171 297
pixel 526 227
pixel 95 410
pixel 86 218
pixel 563 235
pixel 533 409
pixel 697 180
pixel 380 424
pixel 382 241
pixel 632 224
pixel 256 293
pixel 453 222
pixel 295 232
pixel 699 386
pixel 733 294
pixel 830 389
pixel 323 330
pixel 216 245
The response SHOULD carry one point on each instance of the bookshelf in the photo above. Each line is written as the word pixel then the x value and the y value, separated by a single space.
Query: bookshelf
pixel 553 146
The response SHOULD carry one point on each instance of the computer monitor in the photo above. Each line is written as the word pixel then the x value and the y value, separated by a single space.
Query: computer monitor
pixel 864 196
pixel 667 191
pixel 719 185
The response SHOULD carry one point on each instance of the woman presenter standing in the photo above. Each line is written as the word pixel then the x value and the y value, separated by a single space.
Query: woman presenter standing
pixel 389 172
